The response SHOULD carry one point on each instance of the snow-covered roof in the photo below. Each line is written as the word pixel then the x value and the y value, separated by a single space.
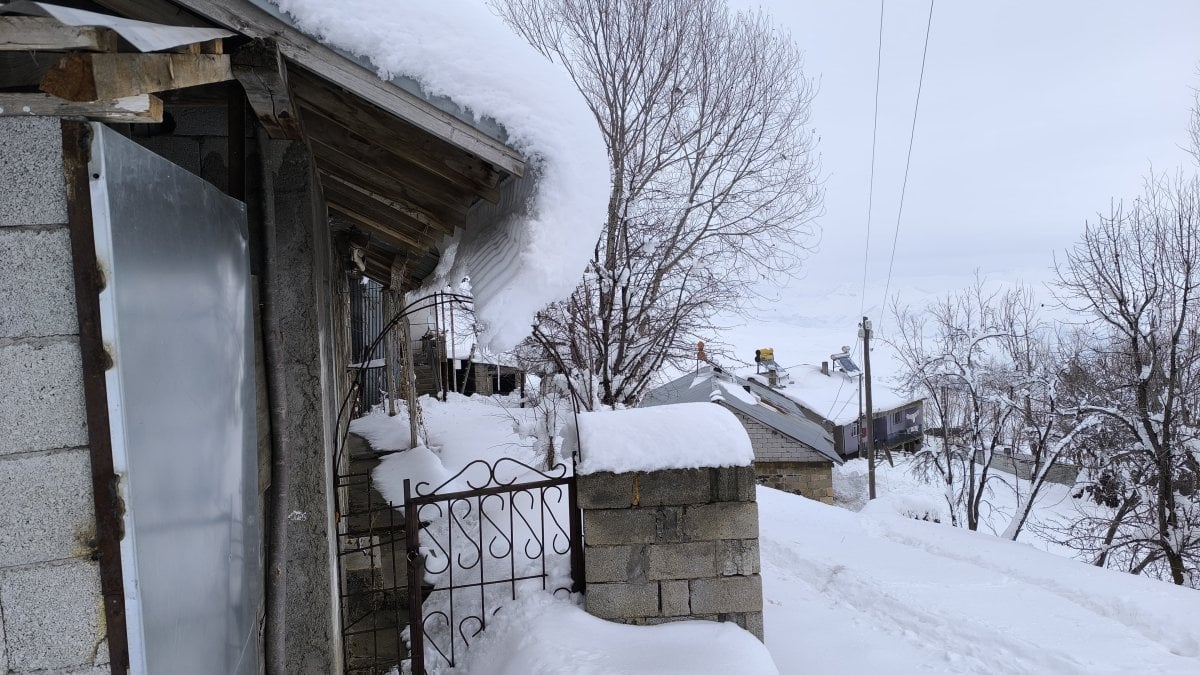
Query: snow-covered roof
pixel 461 57
pixel 833 396
pixel 767 407
pixel 683 436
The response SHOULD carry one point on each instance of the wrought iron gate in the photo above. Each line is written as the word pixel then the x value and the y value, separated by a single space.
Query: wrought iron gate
pixel 483 536
pixel 441 569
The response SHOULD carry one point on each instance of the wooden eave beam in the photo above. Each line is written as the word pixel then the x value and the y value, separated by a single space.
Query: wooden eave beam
pixel 259 67
pixel 396 136
pixel 40 33
pixel 92 77
pixel 251 21
pixel 141 109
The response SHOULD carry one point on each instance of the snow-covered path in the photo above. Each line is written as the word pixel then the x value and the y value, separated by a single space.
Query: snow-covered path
pixel 854 593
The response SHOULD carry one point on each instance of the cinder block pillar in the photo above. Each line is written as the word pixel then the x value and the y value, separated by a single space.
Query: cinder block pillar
pixel 672 545
pixel 300 634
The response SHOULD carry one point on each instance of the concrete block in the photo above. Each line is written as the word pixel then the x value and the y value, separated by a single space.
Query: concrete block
pixel 46 509
pixel 180 150
pixel 738 557
pixel 52 614
pixel 32 187
pixel 606 490
pixel 622 601
pixel 42 406
pixel 722 520
pixel 609 527
pixel 199 120
pixel 614 563
pixel 37 286
pixel 681 561
pixel 733 484
pixel 675 487
pixel 726 594
pixel 674 598
pixel 752 622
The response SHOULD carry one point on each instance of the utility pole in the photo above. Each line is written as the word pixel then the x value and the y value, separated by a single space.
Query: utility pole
pixel 865 331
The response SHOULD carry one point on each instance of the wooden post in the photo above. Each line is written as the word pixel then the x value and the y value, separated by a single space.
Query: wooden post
pixel 866 336
pixel 389 348
pixel 410 382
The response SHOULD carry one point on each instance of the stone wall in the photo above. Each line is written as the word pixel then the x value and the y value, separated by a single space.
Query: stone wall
pixel 772 446
pixel 672 545
pixel 51 613
pixel 809 479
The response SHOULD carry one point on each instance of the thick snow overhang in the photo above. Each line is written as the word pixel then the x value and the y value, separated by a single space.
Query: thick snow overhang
pixel 445 145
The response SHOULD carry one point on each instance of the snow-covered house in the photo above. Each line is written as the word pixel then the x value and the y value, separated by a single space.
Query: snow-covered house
pixel 791 452
pixel 182 206
pixel 831 398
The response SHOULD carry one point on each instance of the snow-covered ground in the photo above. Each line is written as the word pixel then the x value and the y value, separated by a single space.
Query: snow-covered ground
pixel 846 591
pixel 869 592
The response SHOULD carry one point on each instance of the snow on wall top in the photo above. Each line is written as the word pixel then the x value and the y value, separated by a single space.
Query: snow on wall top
pixel 460 50
pixel 833 396
pixel 681 436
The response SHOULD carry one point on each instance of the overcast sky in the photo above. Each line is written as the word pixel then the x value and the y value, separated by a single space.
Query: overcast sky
pixel 1033 115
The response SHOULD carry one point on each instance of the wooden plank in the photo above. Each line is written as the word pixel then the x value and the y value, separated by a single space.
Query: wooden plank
pixel 91 77
pixel 259 67
pixel 361 155
pixel 141 109
pixel 445 216
pixel 250 20
pixel 392 226
pixel 420 219
pixel 39 33
pixel 389 133
pixel 378 231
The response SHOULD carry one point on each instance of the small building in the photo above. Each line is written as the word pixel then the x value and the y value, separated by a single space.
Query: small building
pixel 791 451
pixel 830 397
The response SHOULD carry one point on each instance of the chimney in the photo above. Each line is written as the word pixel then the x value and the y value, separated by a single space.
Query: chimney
pixel 825 368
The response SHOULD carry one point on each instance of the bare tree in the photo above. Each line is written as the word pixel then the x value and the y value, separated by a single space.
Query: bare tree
pixel 946 356
pixel 714 177
pixel 1136 275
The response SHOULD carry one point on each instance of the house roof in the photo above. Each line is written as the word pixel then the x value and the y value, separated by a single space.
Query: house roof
pixel 445 145
pixel 775 411
pixel 834 396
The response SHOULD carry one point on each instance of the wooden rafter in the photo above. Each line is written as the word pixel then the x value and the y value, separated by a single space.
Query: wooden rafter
pixel 143 108
pixel 92 77
pixel 394 135
pixel 340 145
pixel 418 218
pixel 384 222
pixel 39 33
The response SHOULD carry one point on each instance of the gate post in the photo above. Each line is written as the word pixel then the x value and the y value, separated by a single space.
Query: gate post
pixel 412 535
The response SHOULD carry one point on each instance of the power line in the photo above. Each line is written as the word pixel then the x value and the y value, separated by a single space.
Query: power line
pixel 870 196
pixel 871 184
pixel 908 159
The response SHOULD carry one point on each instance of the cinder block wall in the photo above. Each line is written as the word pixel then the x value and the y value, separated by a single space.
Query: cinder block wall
pixel 809 479
pixel 51 616
pixel 672 545
pixel 784 463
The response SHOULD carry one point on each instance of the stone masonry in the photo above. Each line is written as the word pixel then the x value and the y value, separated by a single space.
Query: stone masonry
pixel 51 614
pixel 784 463
pixel 672 545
